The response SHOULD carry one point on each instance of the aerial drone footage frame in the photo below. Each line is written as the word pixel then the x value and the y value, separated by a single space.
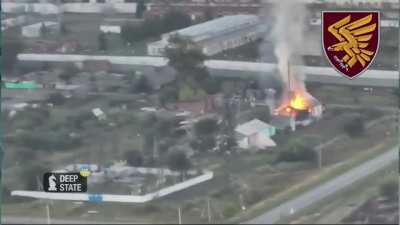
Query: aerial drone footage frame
pixel 193 112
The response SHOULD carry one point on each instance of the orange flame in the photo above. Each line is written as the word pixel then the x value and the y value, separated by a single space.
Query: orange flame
pixel 299 102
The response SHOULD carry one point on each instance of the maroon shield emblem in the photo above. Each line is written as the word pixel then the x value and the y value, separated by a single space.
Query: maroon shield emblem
pixel 350 40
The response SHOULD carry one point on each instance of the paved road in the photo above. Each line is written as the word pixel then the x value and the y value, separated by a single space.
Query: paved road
pixel 327 189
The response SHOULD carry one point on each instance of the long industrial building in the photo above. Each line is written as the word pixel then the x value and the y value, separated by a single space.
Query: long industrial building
pixel 216 35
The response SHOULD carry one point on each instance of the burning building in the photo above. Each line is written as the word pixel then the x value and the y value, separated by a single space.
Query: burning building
pixel 297 107
pixel 297 104
pixel 302 107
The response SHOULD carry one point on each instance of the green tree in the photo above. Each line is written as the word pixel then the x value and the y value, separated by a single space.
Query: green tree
pixel 227 143
pixel 192 78
pixel 140 8
pixel 204 144
pixel 297 150
pixel 134 158
pixel 32 175
pixel 206 127
pixel 261 113
pixel 56 98
pixel 178 161
pixel 43 29
pixel 142 85
pixel 102 41
pixel 185 56
pixel 355 126
pixel 63 28
pixel 155 26
pixel 11 48
pixel 389 189
pixel 174 20
pixel 69 71
pixel 168 94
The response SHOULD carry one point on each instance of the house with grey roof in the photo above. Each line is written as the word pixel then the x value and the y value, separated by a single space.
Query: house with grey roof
pixel 255 134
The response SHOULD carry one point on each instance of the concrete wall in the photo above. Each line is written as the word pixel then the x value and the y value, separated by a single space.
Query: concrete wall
pixel 100 7
pixel 117 198
pixel 370 77
pixel 110 29
pixel 48 8
pixel 42 8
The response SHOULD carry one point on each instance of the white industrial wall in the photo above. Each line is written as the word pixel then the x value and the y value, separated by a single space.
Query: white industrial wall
pixel 385 78
pixel 99 7
pixel 110 29
pixel 48 8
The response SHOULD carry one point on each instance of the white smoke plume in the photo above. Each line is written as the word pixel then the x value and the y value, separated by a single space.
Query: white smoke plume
pixel 288 27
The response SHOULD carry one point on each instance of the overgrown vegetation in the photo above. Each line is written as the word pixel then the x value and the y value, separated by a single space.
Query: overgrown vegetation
pixel 154 27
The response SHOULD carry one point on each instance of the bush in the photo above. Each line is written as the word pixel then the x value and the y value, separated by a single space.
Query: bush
pixel 47 141
pixel 230 210
pixel 56 98
pixel 253 196
pixel 142 85
pixel 77 121
pixel 206 127
pixel 134 158
pixel 389 189
pixel 31 117
pixel 371 113
pixel 204 143
pixel 177 160
pixel 153 27
pixel 355 126
pixel 297 151
pixel 32 174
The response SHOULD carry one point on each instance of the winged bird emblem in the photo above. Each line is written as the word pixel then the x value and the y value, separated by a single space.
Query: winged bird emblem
pixel 355 39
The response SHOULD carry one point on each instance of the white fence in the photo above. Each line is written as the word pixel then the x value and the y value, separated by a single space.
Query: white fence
pixel 116 198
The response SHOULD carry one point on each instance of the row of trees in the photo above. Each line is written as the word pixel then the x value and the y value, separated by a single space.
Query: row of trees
pixel 192 80
pixel 9 50
pixel 154 27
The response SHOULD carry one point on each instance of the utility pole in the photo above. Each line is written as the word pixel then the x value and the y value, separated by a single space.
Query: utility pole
pixel 48 213
pixel 320 158
pixel 208 210
pixel 179 216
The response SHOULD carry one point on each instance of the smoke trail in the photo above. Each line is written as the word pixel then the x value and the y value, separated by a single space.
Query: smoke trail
pixel 288 26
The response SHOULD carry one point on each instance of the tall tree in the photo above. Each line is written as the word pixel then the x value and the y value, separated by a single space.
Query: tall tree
pixel 69 71
pixel 140 8
pixel 174 20
pixel 11 48
pixel 43 29
pixel 63 28
pixel 102 41
pixel 355 126
pixel 134 158
pixel 178 161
